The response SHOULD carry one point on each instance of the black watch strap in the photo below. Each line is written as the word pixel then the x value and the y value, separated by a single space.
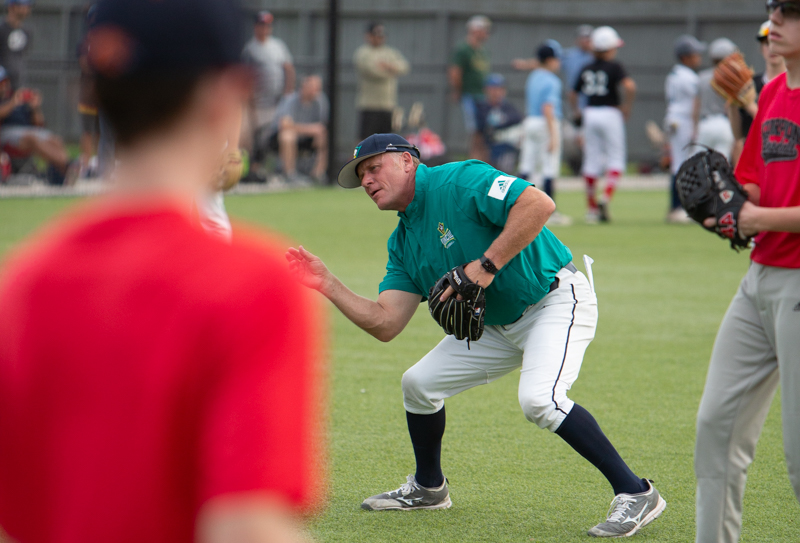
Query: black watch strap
pixel 488 265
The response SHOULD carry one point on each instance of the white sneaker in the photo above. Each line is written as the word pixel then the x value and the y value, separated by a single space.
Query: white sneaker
pixel 629 513
pixel 592 216
pixel 410 496
pixel 559 219
pixel 678 216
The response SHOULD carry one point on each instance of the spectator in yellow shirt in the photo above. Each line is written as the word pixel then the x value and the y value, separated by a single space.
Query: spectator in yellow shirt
pixel 378 67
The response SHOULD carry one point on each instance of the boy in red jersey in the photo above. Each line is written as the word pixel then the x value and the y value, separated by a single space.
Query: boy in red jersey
pixel 157 383
pixel 758 346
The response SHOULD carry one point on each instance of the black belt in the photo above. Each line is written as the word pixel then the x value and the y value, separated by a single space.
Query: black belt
pixel 554 285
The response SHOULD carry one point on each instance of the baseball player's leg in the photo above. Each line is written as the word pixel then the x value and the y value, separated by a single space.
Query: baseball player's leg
pixel 551 159
pixel 741 382
pixel 554 335
pixel 782 286
pixel 557 332
pixel 593 160
pixel 448 369
pixel 680 138
pixel 527 154
pixel 614 128
pixel 560 329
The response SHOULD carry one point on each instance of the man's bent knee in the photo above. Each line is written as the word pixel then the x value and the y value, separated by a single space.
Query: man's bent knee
pixel 541 411
pixel 416 397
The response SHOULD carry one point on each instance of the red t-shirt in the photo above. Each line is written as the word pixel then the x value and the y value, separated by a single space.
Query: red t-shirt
pixel 770 160
pixel 146 367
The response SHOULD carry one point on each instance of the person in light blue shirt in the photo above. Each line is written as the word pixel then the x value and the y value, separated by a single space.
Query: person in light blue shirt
pixel 540 155
pixel 575 58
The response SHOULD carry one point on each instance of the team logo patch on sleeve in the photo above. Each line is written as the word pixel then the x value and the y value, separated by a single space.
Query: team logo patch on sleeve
pixel 500 186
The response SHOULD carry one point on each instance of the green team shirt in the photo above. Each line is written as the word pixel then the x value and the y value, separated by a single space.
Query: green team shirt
pixel 474 64
pixel 458 210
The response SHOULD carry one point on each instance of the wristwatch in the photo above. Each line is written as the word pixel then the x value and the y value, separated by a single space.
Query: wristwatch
pixel 488 265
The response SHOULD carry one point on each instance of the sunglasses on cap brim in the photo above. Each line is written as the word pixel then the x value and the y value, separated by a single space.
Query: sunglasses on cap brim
pixel 789 8
pixel 395 146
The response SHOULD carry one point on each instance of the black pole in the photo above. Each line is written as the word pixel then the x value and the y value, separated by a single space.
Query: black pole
pixel 333 56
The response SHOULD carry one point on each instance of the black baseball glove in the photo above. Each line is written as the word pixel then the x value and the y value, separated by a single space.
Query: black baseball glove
pixel 460 318
pixel 707 188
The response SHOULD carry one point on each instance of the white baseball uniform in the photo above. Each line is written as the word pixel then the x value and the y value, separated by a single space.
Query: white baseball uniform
pixel 680 89
pixel 604 125
pixel 541 88
pixel 714 129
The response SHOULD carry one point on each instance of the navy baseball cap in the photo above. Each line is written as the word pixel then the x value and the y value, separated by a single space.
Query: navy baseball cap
pixel 549 49
pixel 19 2
pixel 135 37
pixel 376 144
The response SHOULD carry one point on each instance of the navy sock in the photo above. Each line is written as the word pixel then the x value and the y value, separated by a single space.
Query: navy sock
pixel 426 433
pixel 675 201
pixel 583 434
pixel 548 188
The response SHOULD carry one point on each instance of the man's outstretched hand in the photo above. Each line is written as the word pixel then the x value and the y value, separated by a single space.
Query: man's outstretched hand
pixel 307 268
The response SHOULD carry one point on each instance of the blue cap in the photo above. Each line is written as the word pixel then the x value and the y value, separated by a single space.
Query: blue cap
pixel 21 2
pixel 549 49
pixel 495 80
pixel 133 37
pixel 376 144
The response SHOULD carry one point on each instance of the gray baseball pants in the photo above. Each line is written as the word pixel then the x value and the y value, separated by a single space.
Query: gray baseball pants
pixel 757 347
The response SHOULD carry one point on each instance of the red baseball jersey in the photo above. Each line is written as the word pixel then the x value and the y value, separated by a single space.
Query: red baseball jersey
pixel 146 367
pixel 770 160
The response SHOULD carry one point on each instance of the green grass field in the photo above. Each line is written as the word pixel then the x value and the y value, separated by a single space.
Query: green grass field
pixel 662 291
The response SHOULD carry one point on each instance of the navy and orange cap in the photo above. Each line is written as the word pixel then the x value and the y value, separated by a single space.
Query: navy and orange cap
pixel 135 37
pixel 376 144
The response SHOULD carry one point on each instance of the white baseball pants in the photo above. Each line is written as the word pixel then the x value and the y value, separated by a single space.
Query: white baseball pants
pixel 548 343
pixel 603 141
pixel 534 157
pixel 757 347
pixel 715 132
pixel 680 131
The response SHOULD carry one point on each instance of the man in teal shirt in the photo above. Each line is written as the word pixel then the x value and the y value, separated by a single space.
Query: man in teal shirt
pixel 541 312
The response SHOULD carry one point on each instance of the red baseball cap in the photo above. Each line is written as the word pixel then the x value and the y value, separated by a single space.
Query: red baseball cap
pixel 264 18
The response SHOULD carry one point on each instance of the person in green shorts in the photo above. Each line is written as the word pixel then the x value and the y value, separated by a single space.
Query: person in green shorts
pixel 541 312
pixel 467 73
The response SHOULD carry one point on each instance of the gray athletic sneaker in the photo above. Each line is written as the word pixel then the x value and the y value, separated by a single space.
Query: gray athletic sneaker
pixel 629 513
pixel 410 496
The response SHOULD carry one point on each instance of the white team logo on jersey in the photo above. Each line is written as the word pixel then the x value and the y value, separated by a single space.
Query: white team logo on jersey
pixel 500 186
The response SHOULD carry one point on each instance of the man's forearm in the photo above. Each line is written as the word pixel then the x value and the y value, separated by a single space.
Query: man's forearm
pixel 367 314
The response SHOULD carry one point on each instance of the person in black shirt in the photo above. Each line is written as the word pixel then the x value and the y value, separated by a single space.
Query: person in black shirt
pixel 603 119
